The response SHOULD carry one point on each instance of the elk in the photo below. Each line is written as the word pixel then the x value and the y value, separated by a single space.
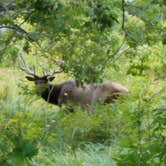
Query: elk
pixel 68 92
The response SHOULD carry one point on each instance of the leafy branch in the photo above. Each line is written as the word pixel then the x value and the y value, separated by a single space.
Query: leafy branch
pixel 18 29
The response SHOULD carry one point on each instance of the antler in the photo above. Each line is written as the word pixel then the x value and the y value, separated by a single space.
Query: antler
pixel 24 67
pixel 54 72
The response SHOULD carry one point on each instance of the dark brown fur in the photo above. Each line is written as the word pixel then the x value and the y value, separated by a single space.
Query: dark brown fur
pixel 52 93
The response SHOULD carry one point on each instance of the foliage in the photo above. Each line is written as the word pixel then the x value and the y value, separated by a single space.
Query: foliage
pixel 91 40
pixel 93 154
pixel 82 37
pixel 132 127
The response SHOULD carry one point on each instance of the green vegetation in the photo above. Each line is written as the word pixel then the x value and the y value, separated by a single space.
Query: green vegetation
pixel 91 40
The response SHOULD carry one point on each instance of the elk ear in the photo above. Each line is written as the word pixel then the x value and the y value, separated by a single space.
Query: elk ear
pixel 30 78
pixel 51 78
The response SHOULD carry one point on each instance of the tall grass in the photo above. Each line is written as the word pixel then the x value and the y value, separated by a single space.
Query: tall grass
pixel 92 155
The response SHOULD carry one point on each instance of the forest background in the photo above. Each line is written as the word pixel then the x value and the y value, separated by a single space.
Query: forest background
pixel 91 40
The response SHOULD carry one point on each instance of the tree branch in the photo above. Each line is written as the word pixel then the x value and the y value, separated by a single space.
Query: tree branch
pixel 123 14
pixel 19 29
pixel 27 17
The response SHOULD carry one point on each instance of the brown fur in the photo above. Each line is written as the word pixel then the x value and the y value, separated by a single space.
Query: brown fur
pixel 85 97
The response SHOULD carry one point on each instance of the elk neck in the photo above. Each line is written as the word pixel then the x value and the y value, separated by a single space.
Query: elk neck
pixel 51 93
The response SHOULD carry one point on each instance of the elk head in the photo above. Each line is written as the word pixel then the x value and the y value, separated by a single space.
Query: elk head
pixel 41 82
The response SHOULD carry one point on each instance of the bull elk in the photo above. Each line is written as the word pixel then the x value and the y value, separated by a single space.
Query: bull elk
pixel 68 92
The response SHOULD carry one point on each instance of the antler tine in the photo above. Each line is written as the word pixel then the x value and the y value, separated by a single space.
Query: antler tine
pixel 34 69
pixel 55 72
pixel 24 67
pixel 44 71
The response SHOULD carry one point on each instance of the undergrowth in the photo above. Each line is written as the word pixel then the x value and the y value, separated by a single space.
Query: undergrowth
pixel 128 132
